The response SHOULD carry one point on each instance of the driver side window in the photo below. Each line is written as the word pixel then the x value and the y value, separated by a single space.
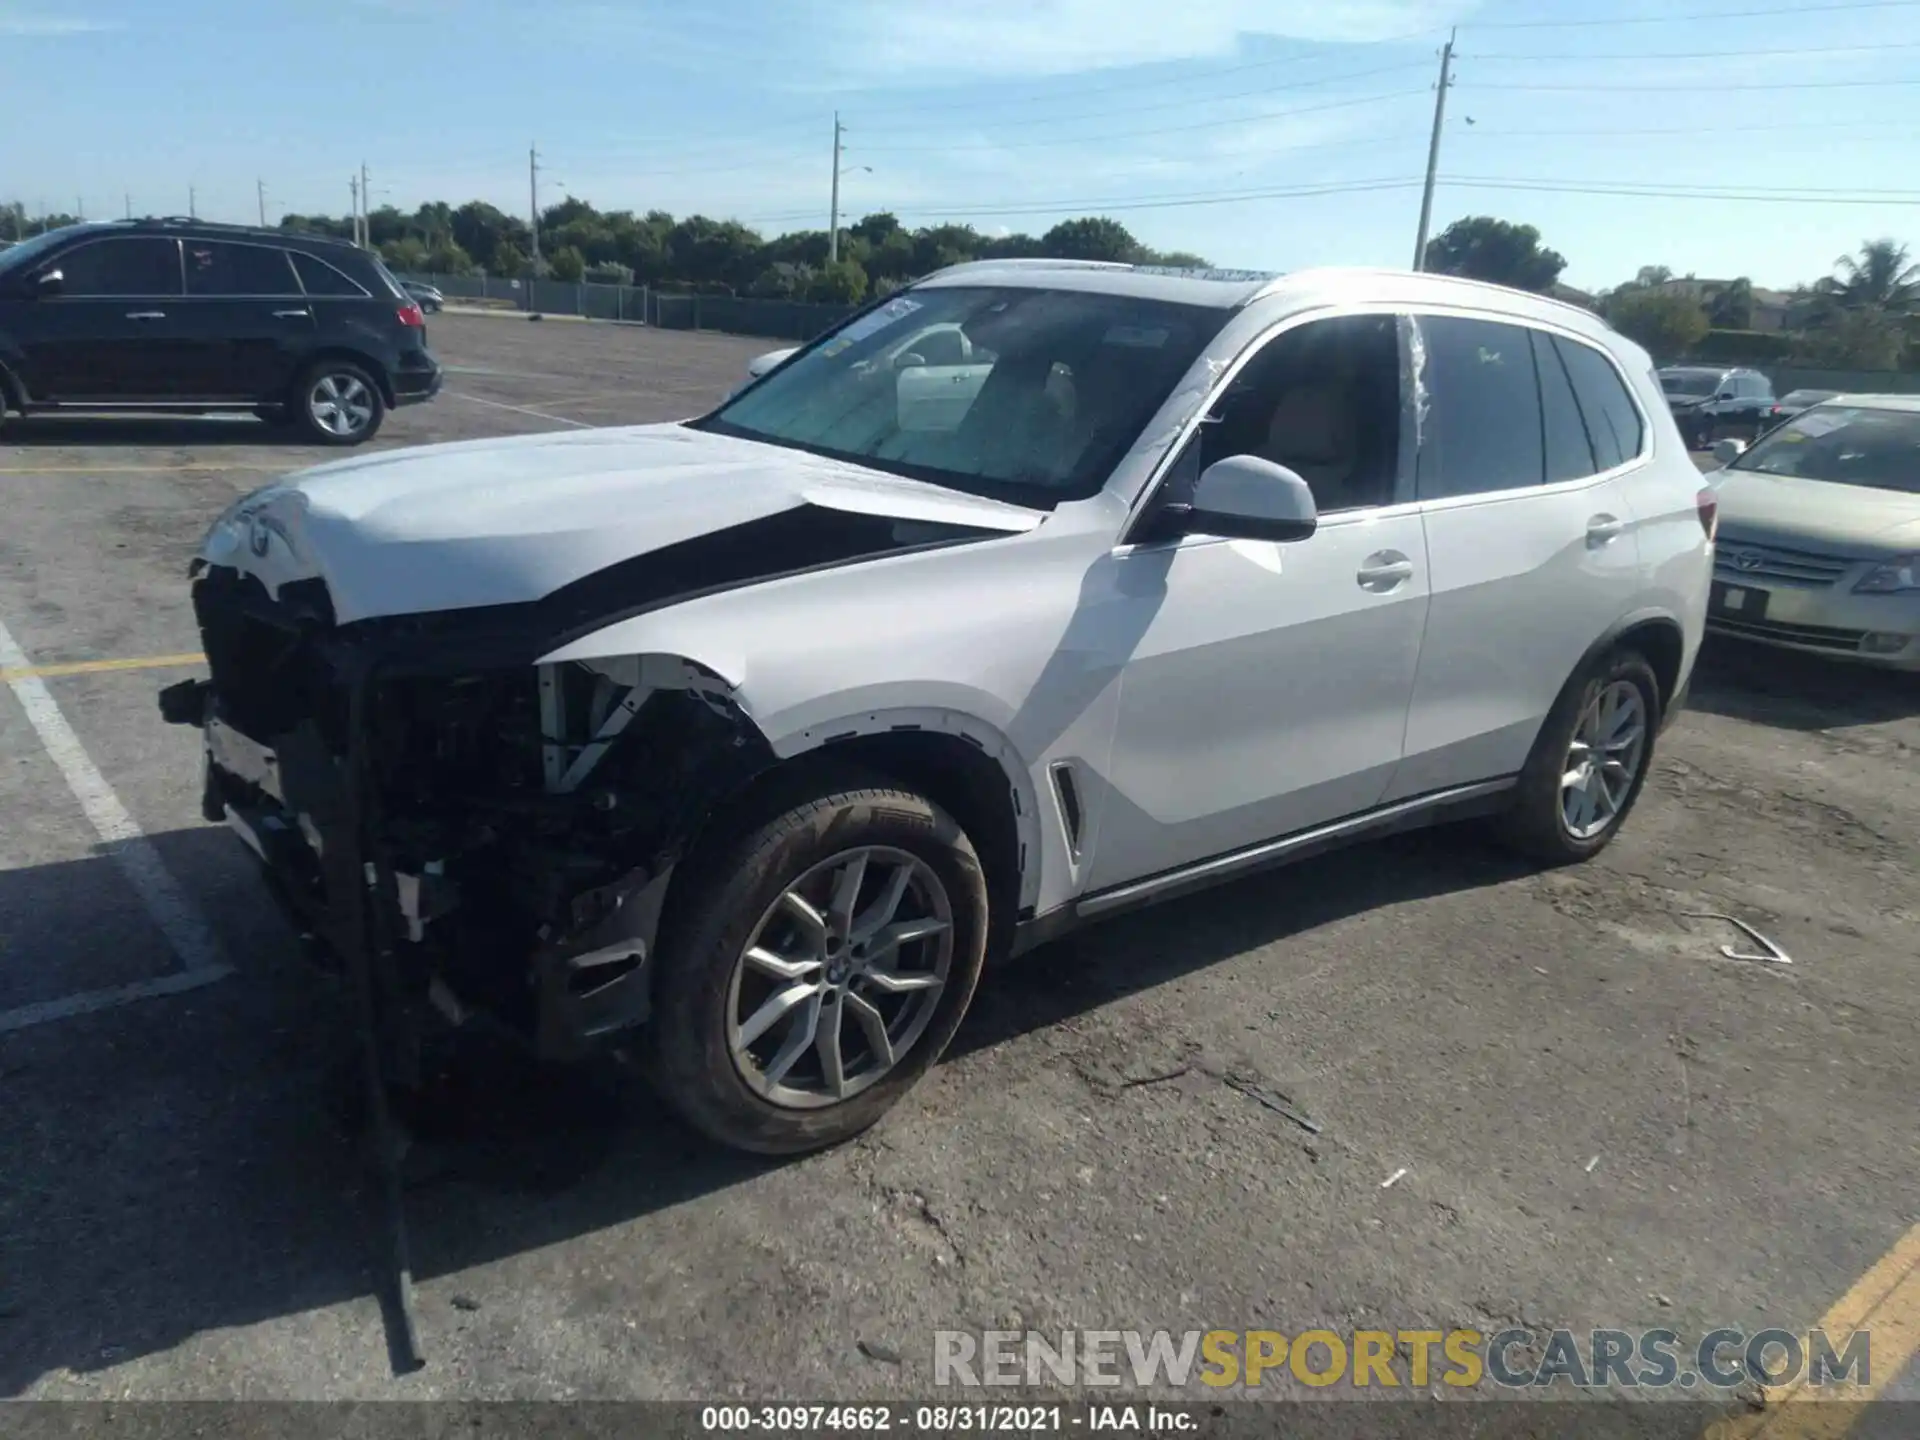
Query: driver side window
pixel 1322 399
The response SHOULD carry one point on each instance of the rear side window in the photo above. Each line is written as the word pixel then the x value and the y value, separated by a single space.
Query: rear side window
pixel 1569 451
pixel 215 267
pixel 320 278
pixel 1612 421
pixel 137 265
pixel 1483 425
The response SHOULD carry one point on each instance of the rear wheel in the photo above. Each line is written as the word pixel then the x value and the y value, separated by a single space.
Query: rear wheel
pixel 1589 763
pixel 338 403
pixel 820 970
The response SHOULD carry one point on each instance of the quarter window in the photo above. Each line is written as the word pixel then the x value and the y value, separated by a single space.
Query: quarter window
pixel 1483 429
pixel 320 278
pixel 1612 421
pixel 137 265
pixel 215 267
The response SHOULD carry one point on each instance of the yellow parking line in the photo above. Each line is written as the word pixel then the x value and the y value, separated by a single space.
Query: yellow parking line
pixel 98 667
pixel 1885 1302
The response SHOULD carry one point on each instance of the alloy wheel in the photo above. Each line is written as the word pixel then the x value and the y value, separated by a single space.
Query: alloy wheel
pixel 341 404
pixel 840 978
pixel 1609 745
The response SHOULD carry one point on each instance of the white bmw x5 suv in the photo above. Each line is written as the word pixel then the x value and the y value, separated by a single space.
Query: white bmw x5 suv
pixel 759 733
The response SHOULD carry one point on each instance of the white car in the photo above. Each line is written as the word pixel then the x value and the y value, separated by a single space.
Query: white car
pixel 761 731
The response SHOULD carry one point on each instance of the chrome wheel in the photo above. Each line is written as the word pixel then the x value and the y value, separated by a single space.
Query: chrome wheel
pixel 1609 744
pixel 840 977
pixel 341 404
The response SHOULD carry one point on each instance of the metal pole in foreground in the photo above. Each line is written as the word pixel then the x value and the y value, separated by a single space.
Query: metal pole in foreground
pixel 260 188
pixel 1433 152
pixel 833 209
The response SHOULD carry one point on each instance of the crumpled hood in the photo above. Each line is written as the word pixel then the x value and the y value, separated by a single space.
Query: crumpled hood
pixel 505 521
pixel 1852 520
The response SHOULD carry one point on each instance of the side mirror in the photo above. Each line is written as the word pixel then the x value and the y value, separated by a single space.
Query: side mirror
pixel 1725 452
pixel 908 360
pixel 1246 498
pixel 1724 395
pixel 761 364
pixel 49 282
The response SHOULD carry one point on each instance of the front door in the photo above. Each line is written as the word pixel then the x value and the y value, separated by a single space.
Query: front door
pixel 111 331
pixel 1524 450
pixel 1265 688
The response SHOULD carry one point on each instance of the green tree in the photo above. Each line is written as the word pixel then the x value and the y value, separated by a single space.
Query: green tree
pixel 842 283
pixel 1480 247
pixel 567 264
pixel 1666 323
pixel 447 258
pixel 509 260
pixel 406 253
pixel 1857 339
pixel 1880 277
pixel 1732 308
pixel 1093 237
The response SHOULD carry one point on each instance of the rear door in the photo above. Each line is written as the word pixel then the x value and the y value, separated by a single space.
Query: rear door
pixel 246 320
pixel 1529 534
pixel 112 332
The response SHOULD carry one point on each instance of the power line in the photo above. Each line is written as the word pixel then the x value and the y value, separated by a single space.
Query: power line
pixel 1799 10
pixel 1688 188
pixel 1646 56
pixel 1773 197
pixel 1157 130
pixel 1717 86
pixel 1348 187
pixel 1812 128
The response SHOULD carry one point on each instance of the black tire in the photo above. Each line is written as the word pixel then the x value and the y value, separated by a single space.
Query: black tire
pixel 350 379
pixel 1534 823
pixel 741 882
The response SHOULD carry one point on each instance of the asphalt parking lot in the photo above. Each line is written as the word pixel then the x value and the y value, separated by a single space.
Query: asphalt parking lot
pixel 1599 1119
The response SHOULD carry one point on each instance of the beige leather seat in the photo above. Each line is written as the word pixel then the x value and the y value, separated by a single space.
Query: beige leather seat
pixel 1315 432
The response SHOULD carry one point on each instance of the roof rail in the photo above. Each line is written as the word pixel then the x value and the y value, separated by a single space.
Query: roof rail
pixel 1435 275
pixel 1037 262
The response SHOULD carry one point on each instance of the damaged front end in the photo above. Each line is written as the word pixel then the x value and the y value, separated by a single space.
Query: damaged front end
pixel 485 833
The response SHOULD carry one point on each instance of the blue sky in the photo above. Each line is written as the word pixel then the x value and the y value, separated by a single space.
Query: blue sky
pixel 1261 133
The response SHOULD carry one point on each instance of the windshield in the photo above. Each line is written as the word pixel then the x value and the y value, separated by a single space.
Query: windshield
pixel 1018 394
pixel 1844 444
pixel 1689 382
pixel 30 249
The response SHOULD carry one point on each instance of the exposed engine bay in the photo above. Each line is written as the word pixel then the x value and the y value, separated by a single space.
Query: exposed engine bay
pixel 498 832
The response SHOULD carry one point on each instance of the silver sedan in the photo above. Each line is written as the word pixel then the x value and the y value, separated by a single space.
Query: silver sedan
pixel 1819 539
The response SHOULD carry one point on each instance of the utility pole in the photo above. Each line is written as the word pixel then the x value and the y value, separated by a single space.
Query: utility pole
pixel 79 207
pixel 1433 150
pixel 353 185
pixel 833 207
pixel 193 203
pixel 366 210
pixel 128 197
pixel 533 203
pixel 260 188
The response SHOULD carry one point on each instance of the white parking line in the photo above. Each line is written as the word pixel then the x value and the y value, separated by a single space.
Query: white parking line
pixel 177 917
pixel 517 409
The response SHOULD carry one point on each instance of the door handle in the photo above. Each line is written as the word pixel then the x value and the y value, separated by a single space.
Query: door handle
pixel 292 314
pixel 1603 530
pixel 146 314
pixel 1384 570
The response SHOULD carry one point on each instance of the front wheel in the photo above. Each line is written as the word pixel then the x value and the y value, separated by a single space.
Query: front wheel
pixel 1588 764
pixel 338 403
pixel 819 971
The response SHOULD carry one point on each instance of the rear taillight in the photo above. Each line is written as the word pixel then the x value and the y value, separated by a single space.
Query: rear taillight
pixel 1708 504
pixel 412 316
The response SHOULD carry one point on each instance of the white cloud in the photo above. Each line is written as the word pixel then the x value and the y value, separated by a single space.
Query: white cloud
pixel 884 39
pixel 26 26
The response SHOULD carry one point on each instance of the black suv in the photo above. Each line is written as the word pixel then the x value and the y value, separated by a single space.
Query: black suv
pixel 1710 402
pixel 182 315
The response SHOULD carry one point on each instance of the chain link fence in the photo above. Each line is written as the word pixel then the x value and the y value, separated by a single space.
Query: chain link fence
pixel 642 305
